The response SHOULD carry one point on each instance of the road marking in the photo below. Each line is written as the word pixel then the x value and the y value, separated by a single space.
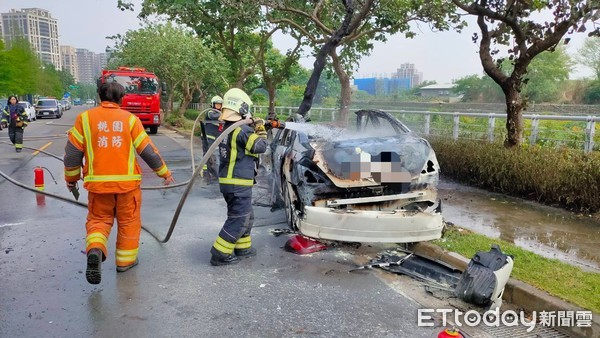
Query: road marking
pixel 10 224
pixel 42 148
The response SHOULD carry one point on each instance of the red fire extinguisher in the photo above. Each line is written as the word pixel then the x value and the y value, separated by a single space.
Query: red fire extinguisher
pixel 38 173
pixel 450 333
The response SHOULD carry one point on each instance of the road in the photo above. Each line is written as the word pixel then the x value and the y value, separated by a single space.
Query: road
pixel 174 291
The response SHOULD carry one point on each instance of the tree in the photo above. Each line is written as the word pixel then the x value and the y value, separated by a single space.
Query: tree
pixel 513 24
pixel 589 55
pixel 193 68
pixel 547 74
pixel 477 88
pixel 346 30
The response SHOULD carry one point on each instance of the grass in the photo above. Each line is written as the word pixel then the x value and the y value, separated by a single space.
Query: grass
pixel 559 279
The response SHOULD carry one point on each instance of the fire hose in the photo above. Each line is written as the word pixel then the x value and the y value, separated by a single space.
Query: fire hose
pixel 188 184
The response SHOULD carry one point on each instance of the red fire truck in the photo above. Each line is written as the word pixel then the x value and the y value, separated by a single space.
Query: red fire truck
pixel 142 93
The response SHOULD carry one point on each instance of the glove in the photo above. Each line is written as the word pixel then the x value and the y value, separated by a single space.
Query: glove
pixel 259 128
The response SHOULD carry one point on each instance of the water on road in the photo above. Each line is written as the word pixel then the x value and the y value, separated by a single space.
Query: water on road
pixel 551 232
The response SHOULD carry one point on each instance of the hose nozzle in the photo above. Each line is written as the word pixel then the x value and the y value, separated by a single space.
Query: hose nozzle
pixel 274 124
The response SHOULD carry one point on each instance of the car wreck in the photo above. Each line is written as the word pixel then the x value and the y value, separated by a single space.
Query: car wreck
pixel 375 182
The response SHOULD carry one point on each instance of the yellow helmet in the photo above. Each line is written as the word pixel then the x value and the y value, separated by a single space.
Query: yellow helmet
pixel 236 105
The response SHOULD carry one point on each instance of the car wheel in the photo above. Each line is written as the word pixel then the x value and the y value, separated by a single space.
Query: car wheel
pixel 153 129
pixel 290 214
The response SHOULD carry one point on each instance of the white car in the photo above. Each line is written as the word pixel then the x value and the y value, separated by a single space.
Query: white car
pixel 29 109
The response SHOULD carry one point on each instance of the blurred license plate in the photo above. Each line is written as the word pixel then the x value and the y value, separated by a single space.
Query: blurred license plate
pixel 46 113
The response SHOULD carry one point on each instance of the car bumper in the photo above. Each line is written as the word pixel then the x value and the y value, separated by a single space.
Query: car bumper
pixel 370 226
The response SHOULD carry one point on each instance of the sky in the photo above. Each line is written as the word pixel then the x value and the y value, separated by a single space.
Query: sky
pixel 441 57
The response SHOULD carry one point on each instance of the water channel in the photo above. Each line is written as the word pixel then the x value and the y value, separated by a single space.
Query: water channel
pixel 548 231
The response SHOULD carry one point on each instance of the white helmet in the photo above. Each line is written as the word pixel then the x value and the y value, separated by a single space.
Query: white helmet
pixel 236 105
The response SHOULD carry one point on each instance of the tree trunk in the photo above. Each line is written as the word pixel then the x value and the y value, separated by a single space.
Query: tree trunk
pixel 188 92
pixel 271 90
pixel 346 91
pixel 514 116
pixel 321 58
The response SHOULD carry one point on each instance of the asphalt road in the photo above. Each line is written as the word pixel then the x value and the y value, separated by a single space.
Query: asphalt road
pixel 174 291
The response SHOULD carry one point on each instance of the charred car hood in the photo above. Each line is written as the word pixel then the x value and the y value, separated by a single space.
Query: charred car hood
pixel 372 161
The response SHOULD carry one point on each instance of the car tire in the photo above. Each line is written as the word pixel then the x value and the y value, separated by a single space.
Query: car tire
pixel 153 129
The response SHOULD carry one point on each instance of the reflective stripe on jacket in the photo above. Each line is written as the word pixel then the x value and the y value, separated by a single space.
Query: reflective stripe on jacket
pixel 109 138
pixel 239 160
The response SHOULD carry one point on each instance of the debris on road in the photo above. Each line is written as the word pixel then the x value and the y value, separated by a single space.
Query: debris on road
pixel 301 245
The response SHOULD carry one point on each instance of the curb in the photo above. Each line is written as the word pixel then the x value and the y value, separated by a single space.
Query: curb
pixel 516 292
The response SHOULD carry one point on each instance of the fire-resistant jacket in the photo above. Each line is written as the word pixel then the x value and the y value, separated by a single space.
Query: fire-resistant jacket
pixel 109 137
pixel 239 160
pixel 212 126
pixel 21 114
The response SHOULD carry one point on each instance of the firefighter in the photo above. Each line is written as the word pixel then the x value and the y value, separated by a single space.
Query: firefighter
pixel 108 137
pixel 238 164
pixel 212 128
pixel 15 117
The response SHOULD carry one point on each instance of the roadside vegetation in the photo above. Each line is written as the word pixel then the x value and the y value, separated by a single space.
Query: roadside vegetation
pixel 563 177
pixel 559 279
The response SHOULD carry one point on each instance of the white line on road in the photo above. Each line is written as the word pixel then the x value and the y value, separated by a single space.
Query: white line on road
pixel 10 224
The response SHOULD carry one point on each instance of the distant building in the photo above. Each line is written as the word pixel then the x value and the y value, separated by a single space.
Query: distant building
pixel 69 61
pixel 89 65
pixel 408 72
pixel 437 90
pixel 406 77
pixel 36 26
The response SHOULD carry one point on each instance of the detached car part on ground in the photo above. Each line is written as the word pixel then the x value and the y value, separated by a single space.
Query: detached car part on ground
pixel 376 183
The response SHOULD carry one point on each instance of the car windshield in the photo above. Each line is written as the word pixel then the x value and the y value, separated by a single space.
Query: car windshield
pixel 136 84
pixel 23 104
pixel 46 103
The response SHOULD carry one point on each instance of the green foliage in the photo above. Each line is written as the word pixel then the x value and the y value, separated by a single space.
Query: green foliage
pixel 547 74
pixel 566 177
pixel 592 93
pixel 22 73
pixel 193 68
pixel 479 89
pixel 191 114
pixel 589 55
pixel 551 275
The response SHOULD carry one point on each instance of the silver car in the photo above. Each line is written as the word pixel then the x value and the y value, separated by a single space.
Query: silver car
pixel 375 183
pixel 29 109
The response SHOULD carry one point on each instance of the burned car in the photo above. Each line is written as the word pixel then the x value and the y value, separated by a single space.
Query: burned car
pixel 375 182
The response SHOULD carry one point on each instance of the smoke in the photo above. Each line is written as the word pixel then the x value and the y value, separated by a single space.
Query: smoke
pixel 334 134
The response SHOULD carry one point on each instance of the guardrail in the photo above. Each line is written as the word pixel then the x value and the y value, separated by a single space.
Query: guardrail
pixel 548 130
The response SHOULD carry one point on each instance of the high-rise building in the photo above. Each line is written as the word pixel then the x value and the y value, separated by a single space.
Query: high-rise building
pixel 89 65
pixel 409 72
pixel 36 26
pixel 68 55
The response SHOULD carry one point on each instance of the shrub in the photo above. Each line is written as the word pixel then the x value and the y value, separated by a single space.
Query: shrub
pixel 568 178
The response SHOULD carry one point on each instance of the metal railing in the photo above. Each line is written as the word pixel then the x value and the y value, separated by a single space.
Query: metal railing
pixel 548 130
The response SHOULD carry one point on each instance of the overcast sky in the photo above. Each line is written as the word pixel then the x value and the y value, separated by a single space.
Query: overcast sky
pixel 441 57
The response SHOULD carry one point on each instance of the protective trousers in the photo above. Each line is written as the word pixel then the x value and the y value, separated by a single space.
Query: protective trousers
pixel 16 136
pixel 235 234
pixel 102 210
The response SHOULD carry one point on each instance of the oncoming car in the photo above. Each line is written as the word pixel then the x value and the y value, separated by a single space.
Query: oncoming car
pixel 375 183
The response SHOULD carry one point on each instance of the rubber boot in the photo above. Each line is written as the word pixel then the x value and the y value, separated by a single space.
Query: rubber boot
pixel 250 252
pixel 220 261
pixel 127 267
pixel 93 273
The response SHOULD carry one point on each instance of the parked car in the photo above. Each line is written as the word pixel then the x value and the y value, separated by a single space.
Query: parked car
pixel 66 104
pixel 77 102
pixel 90 102
pixel 29 109
pixel 375 183
pixel 48 108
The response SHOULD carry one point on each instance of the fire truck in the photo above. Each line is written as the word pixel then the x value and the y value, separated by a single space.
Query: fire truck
pixel 142 93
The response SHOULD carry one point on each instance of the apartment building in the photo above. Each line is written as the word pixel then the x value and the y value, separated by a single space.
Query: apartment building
pixel 37 26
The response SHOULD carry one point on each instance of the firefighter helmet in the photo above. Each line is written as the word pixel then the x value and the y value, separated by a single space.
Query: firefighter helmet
pixel 236 105
pixel 216 99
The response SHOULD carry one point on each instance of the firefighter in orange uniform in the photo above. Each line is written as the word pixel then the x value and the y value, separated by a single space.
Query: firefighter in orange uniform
pixel 109 138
